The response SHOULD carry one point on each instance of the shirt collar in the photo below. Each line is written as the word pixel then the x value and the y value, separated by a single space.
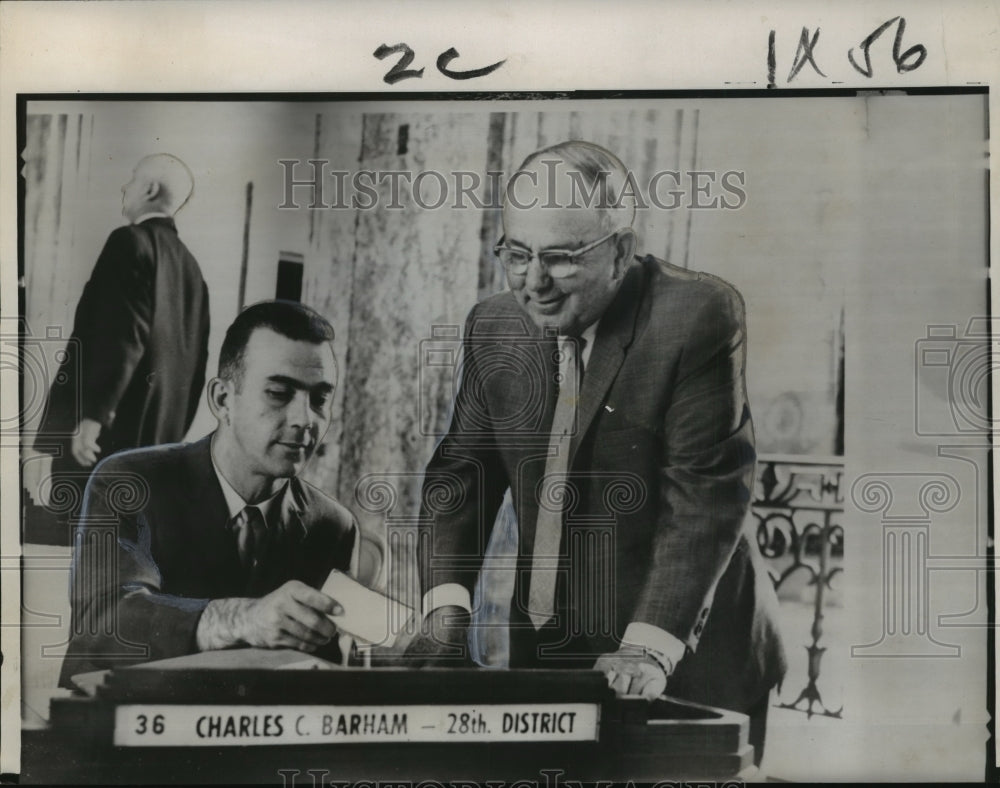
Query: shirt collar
pixel 587 337
pixel 151 215
pixel 234 501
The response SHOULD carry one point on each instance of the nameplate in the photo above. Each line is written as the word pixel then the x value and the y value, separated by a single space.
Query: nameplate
pixel 172 725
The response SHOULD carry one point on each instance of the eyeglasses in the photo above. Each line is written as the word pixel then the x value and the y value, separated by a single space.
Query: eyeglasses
pixel 558 263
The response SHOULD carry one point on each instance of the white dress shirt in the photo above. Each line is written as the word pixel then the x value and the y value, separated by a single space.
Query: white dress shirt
pixel 151 215
pixel 235 503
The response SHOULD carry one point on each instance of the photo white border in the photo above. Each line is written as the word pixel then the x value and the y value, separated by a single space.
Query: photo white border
pixel 113 47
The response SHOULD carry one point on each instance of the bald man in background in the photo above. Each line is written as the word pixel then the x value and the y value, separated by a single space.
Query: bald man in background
pixel 135 365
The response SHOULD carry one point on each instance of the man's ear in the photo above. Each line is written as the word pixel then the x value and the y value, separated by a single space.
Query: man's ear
pixel 624 250
pixel 220 396
pixel 152 190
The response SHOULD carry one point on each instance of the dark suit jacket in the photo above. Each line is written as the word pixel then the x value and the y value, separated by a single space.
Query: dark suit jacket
pixel 154 548
pixel 661 467
pixel 136 359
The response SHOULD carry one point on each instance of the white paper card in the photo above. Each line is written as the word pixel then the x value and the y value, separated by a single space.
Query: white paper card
pixel 368 615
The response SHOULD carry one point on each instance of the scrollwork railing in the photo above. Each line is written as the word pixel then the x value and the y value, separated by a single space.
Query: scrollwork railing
pixel 798 504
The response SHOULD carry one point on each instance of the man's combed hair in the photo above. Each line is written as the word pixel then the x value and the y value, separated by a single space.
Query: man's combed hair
pixel 288 318
pixel 598 170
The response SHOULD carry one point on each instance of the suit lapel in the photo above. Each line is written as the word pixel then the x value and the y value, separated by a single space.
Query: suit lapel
pixel 614 335
pixel 206 514
pixel 206 498
pixel 285 553
pixel 514 336
pixel 294 513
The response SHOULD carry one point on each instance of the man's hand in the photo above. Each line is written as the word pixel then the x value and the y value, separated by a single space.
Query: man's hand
pixel 443 640
pixel 84 447
pixel 292 616
pixel 631 671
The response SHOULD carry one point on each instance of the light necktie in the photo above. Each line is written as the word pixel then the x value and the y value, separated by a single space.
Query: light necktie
pixel 554 492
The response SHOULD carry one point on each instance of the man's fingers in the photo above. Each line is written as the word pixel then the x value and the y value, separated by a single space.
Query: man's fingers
pixel 619 681
pixel 317 623
pixel 295 616
pixel 84 450
pixel 300 633
pixel 651 691
pixel 632 677
pixel 317 600
pixel 287 641
pixel 650 684
pixel 84 457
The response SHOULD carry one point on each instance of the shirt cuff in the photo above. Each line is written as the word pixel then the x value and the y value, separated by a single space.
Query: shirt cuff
pixel 654 639
pixel 447 594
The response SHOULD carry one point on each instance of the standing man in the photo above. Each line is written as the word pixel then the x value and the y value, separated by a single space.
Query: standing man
pixel 607 392
pixel 140 332
pixel 218 543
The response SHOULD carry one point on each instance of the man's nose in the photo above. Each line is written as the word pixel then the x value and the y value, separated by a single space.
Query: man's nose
pixel 299 412
pixel 537 277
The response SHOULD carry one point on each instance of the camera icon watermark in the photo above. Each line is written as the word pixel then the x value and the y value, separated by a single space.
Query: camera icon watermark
pixel 47 370
pixel 953 378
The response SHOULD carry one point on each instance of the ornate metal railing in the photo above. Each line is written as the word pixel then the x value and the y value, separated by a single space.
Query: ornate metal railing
pixel 798 505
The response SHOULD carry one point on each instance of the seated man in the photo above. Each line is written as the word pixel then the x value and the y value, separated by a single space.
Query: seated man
pixel 191 547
